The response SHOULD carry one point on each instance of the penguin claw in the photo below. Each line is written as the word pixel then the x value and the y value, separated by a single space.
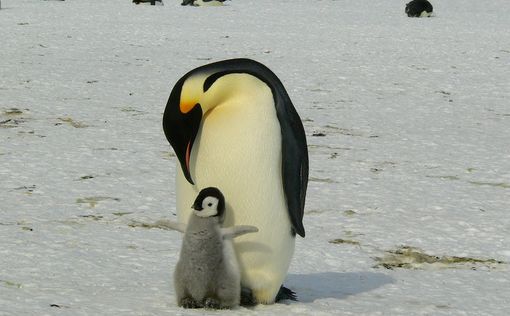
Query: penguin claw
pixel 285 294
pixel 211 303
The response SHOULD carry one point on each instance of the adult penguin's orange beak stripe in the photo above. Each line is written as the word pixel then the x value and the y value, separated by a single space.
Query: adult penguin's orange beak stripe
pixel 181 123
pixel 187 106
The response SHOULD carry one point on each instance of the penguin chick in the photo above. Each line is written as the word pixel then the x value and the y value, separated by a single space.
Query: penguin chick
pixel 207 273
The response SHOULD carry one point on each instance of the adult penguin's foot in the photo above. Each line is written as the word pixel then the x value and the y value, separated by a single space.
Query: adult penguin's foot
pixel 285 294
pixel 247 298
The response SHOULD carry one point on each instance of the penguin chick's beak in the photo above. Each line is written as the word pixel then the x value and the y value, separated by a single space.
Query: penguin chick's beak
pixel 197 207
pixel 181 130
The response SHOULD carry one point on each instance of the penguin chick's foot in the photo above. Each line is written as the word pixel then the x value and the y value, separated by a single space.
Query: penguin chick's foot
pixel 212 303
pixel 189 302
pixel 285 294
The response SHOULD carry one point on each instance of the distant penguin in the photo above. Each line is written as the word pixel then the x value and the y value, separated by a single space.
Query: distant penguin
pixel 152 2
pixel 201 3
pixel 207 273
pixel 419 9
pixel 232 125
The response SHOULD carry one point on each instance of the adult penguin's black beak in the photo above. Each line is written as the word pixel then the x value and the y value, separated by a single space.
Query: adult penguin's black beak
pixel 181 122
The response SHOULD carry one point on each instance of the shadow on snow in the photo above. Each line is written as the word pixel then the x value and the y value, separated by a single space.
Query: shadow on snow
pixel 313 286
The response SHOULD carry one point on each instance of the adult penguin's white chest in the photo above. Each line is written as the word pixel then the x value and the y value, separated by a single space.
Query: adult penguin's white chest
pixel 238 150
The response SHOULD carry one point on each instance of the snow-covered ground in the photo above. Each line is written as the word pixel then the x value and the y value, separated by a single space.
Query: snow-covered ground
pixel 409 197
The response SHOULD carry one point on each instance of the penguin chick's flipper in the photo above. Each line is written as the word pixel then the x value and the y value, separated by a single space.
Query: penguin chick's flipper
pixel 163 223
pixel 285 294
pixel 236 231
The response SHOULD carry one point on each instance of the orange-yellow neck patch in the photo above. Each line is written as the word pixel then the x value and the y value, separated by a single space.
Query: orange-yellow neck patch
pixel 191 93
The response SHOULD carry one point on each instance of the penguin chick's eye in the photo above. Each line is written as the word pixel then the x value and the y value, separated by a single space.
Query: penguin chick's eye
pixel 210 202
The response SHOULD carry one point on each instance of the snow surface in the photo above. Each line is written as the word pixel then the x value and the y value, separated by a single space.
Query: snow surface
pixel 415 115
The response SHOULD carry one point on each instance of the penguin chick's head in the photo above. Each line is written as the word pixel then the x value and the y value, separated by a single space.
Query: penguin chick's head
pixel 201 90
pixel 209 203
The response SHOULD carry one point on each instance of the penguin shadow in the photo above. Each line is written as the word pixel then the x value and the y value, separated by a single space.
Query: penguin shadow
pixel 314 286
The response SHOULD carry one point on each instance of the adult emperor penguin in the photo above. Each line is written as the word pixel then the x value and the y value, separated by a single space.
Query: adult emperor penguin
pixel 232 125
pixel 419 9
pixel 203 3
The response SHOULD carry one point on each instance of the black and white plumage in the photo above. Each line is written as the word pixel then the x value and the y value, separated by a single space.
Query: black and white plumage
pixel 207 273
pixel 152 2
pixel 232 125
pixel 419 8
